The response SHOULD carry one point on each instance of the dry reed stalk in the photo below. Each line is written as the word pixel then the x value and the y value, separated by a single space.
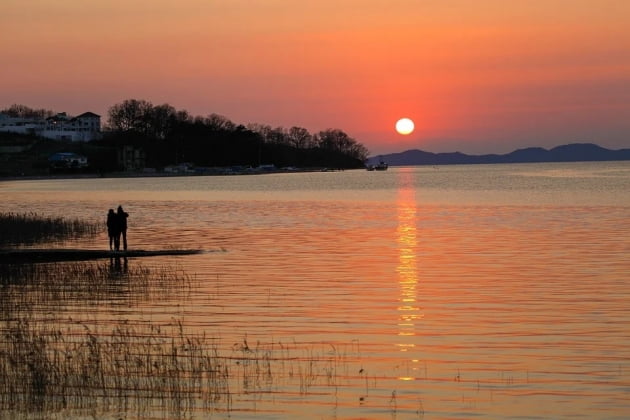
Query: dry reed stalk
pixel 29 228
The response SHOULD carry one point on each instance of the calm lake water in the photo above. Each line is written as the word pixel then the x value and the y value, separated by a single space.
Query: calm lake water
pixel 451 292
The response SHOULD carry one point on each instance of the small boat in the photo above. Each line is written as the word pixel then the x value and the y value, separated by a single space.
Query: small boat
pixel 382 166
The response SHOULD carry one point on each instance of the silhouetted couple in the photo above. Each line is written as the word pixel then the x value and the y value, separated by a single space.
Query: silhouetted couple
pixel 117 227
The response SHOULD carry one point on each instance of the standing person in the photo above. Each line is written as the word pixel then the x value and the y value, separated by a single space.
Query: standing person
pixel 112 224
pixel 122 227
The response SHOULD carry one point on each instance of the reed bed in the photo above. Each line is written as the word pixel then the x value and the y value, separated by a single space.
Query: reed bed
pixel 148 370
pixel 44 369
pixel 60 357
pixel 53 360
pixel 32 228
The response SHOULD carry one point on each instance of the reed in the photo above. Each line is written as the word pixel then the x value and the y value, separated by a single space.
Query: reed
pixel 48 370
pixel 56 369
pixel 32 228
pixel 50 362
pixel 58 360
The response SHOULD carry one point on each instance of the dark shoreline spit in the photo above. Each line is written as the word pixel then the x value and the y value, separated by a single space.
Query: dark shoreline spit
pixel 28 255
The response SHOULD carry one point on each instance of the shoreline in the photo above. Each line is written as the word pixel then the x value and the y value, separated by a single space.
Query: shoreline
pixel 164 174
pixel 227 172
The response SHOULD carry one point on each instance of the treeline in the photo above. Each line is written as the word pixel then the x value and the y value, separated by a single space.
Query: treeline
pixel 23 111
pixel 170 136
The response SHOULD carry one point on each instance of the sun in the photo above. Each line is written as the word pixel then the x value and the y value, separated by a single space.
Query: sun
pixel 404 126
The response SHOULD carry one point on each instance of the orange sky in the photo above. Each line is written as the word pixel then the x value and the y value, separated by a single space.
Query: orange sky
pixel 475 75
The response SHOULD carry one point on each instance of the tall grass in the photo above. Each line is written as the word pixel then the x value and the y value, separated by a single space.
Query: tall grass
pixel 32 228
pixel 51 362
pixel 45 369
pixel 146 371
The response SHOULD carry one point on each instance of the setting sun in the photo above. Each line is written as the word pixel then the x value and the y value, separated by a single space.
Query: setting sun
pixel 404 126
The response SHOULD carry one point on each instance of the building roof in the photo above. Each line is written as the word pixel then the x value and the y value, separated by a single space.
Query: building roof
pixel 88 115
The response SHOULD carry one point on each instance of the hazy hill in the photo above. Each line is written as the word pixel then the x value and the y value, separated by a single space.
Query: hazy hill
pixel 577 152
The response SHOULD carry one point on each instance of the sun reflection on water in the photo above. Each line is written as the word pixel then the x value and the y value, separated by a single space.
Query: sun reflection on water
pixel 407 239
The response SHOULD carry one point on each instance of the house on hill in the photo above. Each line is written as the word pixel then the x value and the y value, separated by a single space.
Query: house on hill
pixel 84 127
pixel 20 125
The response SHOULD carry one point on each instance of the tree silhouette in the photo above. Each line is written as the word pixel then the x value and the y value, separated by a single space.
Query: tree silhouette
pixel 23 111
pixel 173 136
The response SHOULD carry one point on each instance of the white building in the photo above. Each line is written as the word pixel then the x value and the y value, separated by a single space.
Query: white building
pixel 21 125
pixel 84 127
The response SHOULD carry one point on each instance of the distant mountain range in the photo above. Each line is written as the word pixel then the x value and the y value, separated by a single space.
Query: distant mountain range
pixel 577 152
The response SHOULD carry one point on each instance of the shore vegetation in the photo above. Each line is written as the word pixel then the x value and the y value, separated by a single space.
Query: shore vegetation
pixel 30 228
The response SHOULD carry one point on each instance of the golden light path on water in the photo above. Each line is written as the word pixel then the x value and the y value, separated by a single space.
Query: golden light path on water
pixel 409 308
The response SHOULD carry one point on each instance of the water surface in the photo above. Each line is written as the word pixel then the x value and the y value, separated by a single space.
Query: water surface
pixel 488 291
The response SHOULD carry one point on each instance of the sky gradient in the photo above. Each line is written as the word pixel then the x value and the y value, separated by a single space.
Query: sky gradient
pixel 476 76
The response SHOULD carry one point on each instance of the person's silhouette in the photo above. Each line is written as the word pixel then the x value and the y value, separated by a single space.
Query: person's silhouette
pixel 112 226
pixel 122 216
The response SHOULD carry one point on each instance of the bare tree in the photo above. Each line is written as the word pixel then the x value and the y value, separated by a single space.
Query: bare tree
pixel 162 120
pixel 278 135
pixel 183 116
pixel 23 111
pixel 219 123
pixel 130 115
pixel 264 130
pixel 299 137
pixel 338 141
